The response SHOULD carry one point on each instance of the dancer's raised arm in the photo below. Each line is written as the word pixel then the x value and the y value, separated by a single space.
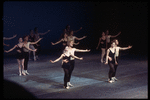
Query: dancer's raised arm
pixel 44 33
pixel 77 30
pixel 57 42
pixel 62 55
pixel 125 48
pixel 80 38
pixel 115 35
pixel 77 57
pixel 4 38
pixel 79 50
pixel 36 41
pixel 10 49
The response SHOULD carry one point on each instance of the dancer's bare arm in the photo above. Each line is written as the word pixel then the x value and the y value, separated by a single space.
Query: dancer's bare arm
pixel 57 42
pixel 79 50
pixel 36 41
pixel 125 48
pixel 11 49
pixel 107 55
pixel 98 43
pixel 10 37
pixel 62 55
pixel 115 35
pixel 81 58
pixel 77 30
pixel 44 33
pixel 80 38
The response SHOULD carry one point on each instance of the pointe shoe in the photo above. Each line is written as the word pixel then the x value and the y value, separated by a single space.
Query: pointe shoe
pixel 114 78
pixel 69 84
pixel 26 72
pixel 66 87
pixel 110 81
pixel 20 74
pixel 23 73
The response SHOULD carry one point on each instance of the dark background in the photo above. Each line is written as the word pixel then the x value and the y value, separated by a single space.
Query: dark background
pixel 131 18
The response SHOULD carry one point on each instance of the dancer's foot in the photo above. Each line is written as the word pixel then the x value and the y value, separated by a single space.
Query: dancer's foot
pixel 67 87
pixel 23 73
pixel 20 74
pixel 110 81
pixel 69 84
pixel 102 61
pixel 114 78
pixel 26 72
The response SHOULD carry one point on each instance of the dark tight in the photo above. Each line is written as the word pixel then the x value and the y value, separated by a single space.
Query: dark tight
pixel 72 62
pixel 115 67
pixel 111 70
pixel 26 55
pixel 66 76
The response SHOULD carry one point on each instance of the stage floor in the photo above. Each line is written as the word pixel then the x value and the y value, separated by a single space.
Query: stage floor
pixel 89 78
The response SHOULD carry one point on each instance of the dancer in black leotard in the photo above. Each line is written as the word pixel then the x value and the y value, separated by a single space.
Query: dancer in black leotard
pixel 110 60
pixel 66 65
pixel 102 43
pixel 20 55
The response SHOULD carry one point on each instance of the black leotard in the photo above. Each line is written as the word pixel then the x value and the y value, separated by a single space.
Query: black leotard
pixel 66 65
pixel 19 55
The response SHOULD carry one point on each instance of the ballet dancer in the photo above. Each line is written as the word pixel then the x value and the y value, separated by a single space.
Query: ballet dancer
pixel 102 43
pixel 110 60
pixel 117 56
pixel 20 55
pixel 31 39
pixel 71 51
pixel 108 38
pixel 73 38
pixel 64 41
pixel 68 29
pixel 37 36
pixel 66 65
pixel 26 51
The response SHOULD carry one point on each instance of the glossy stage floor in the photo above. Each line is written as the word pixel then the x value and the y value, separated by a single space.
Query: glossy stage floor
pixel 89 78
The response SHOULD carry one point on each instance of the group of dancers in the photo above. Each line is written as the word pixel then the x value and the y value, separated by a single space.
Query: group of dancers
pixel 110 49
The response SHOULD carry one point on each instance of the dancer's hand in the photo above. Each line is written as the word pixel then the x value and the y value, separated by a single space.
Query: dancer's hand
pixel 51 61
pixel 48 30
pixel 106 63
pixel 88 50
pixel 110 59
pixel 19 51
pixel 35 50
pixel 129 46
pixel 80 28
pixel 5 51
pixel 81 58
pixel 116 63
pixel 66 61
pixel 52 43
pixel 84 36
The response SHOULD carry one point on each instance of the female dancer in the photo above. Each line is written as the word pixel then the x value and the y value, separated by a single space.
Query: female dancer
pixel 72 61
pixel 73 38
pixel 102 41
pixel 66 65
pixel 117 55
pixel 68 29
pixel 26 52
pixel 20 55
pixel 108 38
pixel 110 60
pixel 64 41
pixel 37 36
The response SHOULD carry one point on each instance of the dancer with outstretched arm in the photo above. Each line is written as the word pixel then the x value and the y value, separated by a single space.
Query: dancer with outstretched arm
pixel 65 65
pixel 110 60
pixel 102 43
pixel 71 51
pixel 117 56
pixel 20 54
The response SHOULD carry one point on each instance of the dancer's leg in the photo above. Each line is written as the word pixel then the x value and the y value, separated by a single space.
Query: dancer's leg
pixel 22 63
pixel 111 70
pixel 66 77
pixel 19 67
pixel 102 55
